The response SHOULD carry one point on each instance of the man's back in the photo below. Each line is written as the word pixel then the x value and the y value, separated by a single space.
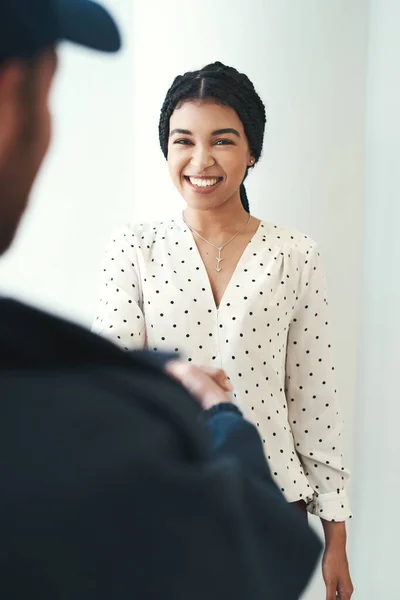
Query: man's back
pixel 110 487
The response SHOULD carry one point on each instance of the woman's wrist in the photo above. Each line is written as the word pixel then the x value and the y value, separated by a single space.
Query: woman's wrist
pixel 335 534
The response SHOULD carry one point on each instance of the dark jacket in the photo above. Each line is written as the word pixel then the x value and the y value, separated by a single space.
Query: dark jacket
pixel 114 484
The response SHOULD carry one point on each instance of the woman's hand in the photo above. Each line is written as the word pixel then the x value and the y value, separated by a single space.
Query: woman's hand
pixel 209 386
pixel 220 377
pixel 335 566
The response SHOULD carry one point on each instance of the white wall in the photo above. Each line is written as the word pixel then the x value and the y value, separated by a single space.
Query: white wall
pixel 308 61
pixel 86 184
pixel 377 472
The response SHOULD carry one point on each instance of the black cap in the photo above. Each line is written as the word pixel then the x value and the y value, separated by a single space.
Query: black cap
pixel 28 26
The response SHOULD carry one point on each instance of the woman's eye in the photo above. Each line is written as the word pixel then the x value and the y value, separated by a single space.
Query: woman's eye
pixel 183 142
pixel 224 143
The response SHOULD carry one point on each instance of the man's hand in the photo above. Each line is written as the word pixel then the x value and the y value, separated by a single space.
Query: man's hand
pixel 209 386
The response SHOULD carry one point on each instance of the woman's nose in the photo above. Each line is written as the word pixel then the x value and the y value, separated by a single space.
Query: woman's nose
pixel 202 159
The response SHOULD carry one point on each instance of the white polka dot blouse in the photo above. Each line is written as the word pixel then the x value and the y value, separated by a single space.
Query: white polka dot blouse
pixel 270 334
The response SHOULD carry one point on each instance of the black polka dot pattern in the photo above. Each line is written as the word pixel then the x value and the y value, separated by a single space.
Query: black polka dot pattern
pixel 270 334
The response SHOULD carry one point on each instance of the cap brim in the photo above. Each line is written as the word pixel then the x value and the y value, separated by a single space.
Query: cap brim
pixel 87 23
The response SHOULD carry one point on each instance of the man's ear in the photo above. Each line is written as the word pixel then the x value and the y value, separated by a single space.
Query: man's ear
pixel 11 77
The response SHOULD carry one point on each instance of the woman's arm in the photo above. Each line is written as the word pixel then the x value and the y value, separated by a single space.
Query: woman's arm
pixel 119 315
pixel 316 422
pixel 335 567
pixel 314 412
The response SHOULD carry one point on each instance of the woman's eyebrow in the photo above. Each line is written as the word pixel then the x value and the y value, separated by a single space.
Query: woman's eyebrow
pixel 180 132
pixel 216 132
pixel 226 130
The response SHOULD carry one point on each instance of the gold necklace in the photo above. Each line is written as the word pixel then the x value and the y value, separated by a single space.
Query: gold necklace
pixel 219 260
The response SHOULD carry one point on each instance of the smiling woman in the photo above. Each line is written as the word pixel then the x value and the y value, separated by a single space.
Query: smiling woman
pixel 241 115
pixel 224 289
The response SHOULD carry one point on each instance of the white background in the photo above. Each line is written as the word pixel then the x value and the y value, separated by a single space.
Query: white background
pixel 325 71
pixel 376 485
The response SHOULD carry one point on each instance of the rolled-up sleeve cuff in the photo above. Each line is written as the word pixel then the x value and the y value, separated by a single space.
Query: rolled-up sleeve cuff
pixel 331 507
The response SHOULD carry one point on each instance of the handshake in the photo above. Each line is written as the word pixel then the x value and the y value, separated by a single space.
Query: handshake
pixel 209 386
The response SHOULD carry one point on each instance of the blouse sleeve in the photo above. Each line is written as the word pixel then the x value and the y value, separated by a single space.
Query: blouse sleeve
pixel 119 315
pixel 314 413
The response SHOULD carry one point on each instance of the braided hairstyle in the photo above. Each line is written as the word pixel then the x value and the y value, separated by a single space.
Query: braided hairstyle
pixel 225 86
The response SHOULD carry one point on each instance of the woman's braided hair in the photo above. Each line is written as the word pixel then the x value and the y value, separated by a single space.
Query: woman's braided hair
pixel 226 86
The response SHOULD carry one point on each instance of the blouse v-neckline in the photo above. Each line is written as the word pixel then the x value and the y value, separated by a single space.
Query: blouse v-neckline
pixel 204 275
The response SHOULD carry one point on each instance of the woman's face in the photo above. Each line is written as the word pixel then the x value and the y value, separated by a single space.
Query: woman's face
pixel 208 154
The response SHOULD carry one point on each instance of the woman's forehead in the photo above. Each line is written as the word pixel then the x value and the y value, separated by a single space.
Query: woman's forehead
pixel 202 116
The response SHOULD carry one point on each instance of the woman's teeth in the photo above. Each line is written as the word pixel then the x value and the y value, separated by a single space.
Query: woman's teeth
pixel 203 182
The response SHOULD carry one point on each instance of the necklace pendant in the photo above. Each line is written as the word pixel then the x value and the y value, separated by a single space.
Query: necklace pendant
pixel 219 260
